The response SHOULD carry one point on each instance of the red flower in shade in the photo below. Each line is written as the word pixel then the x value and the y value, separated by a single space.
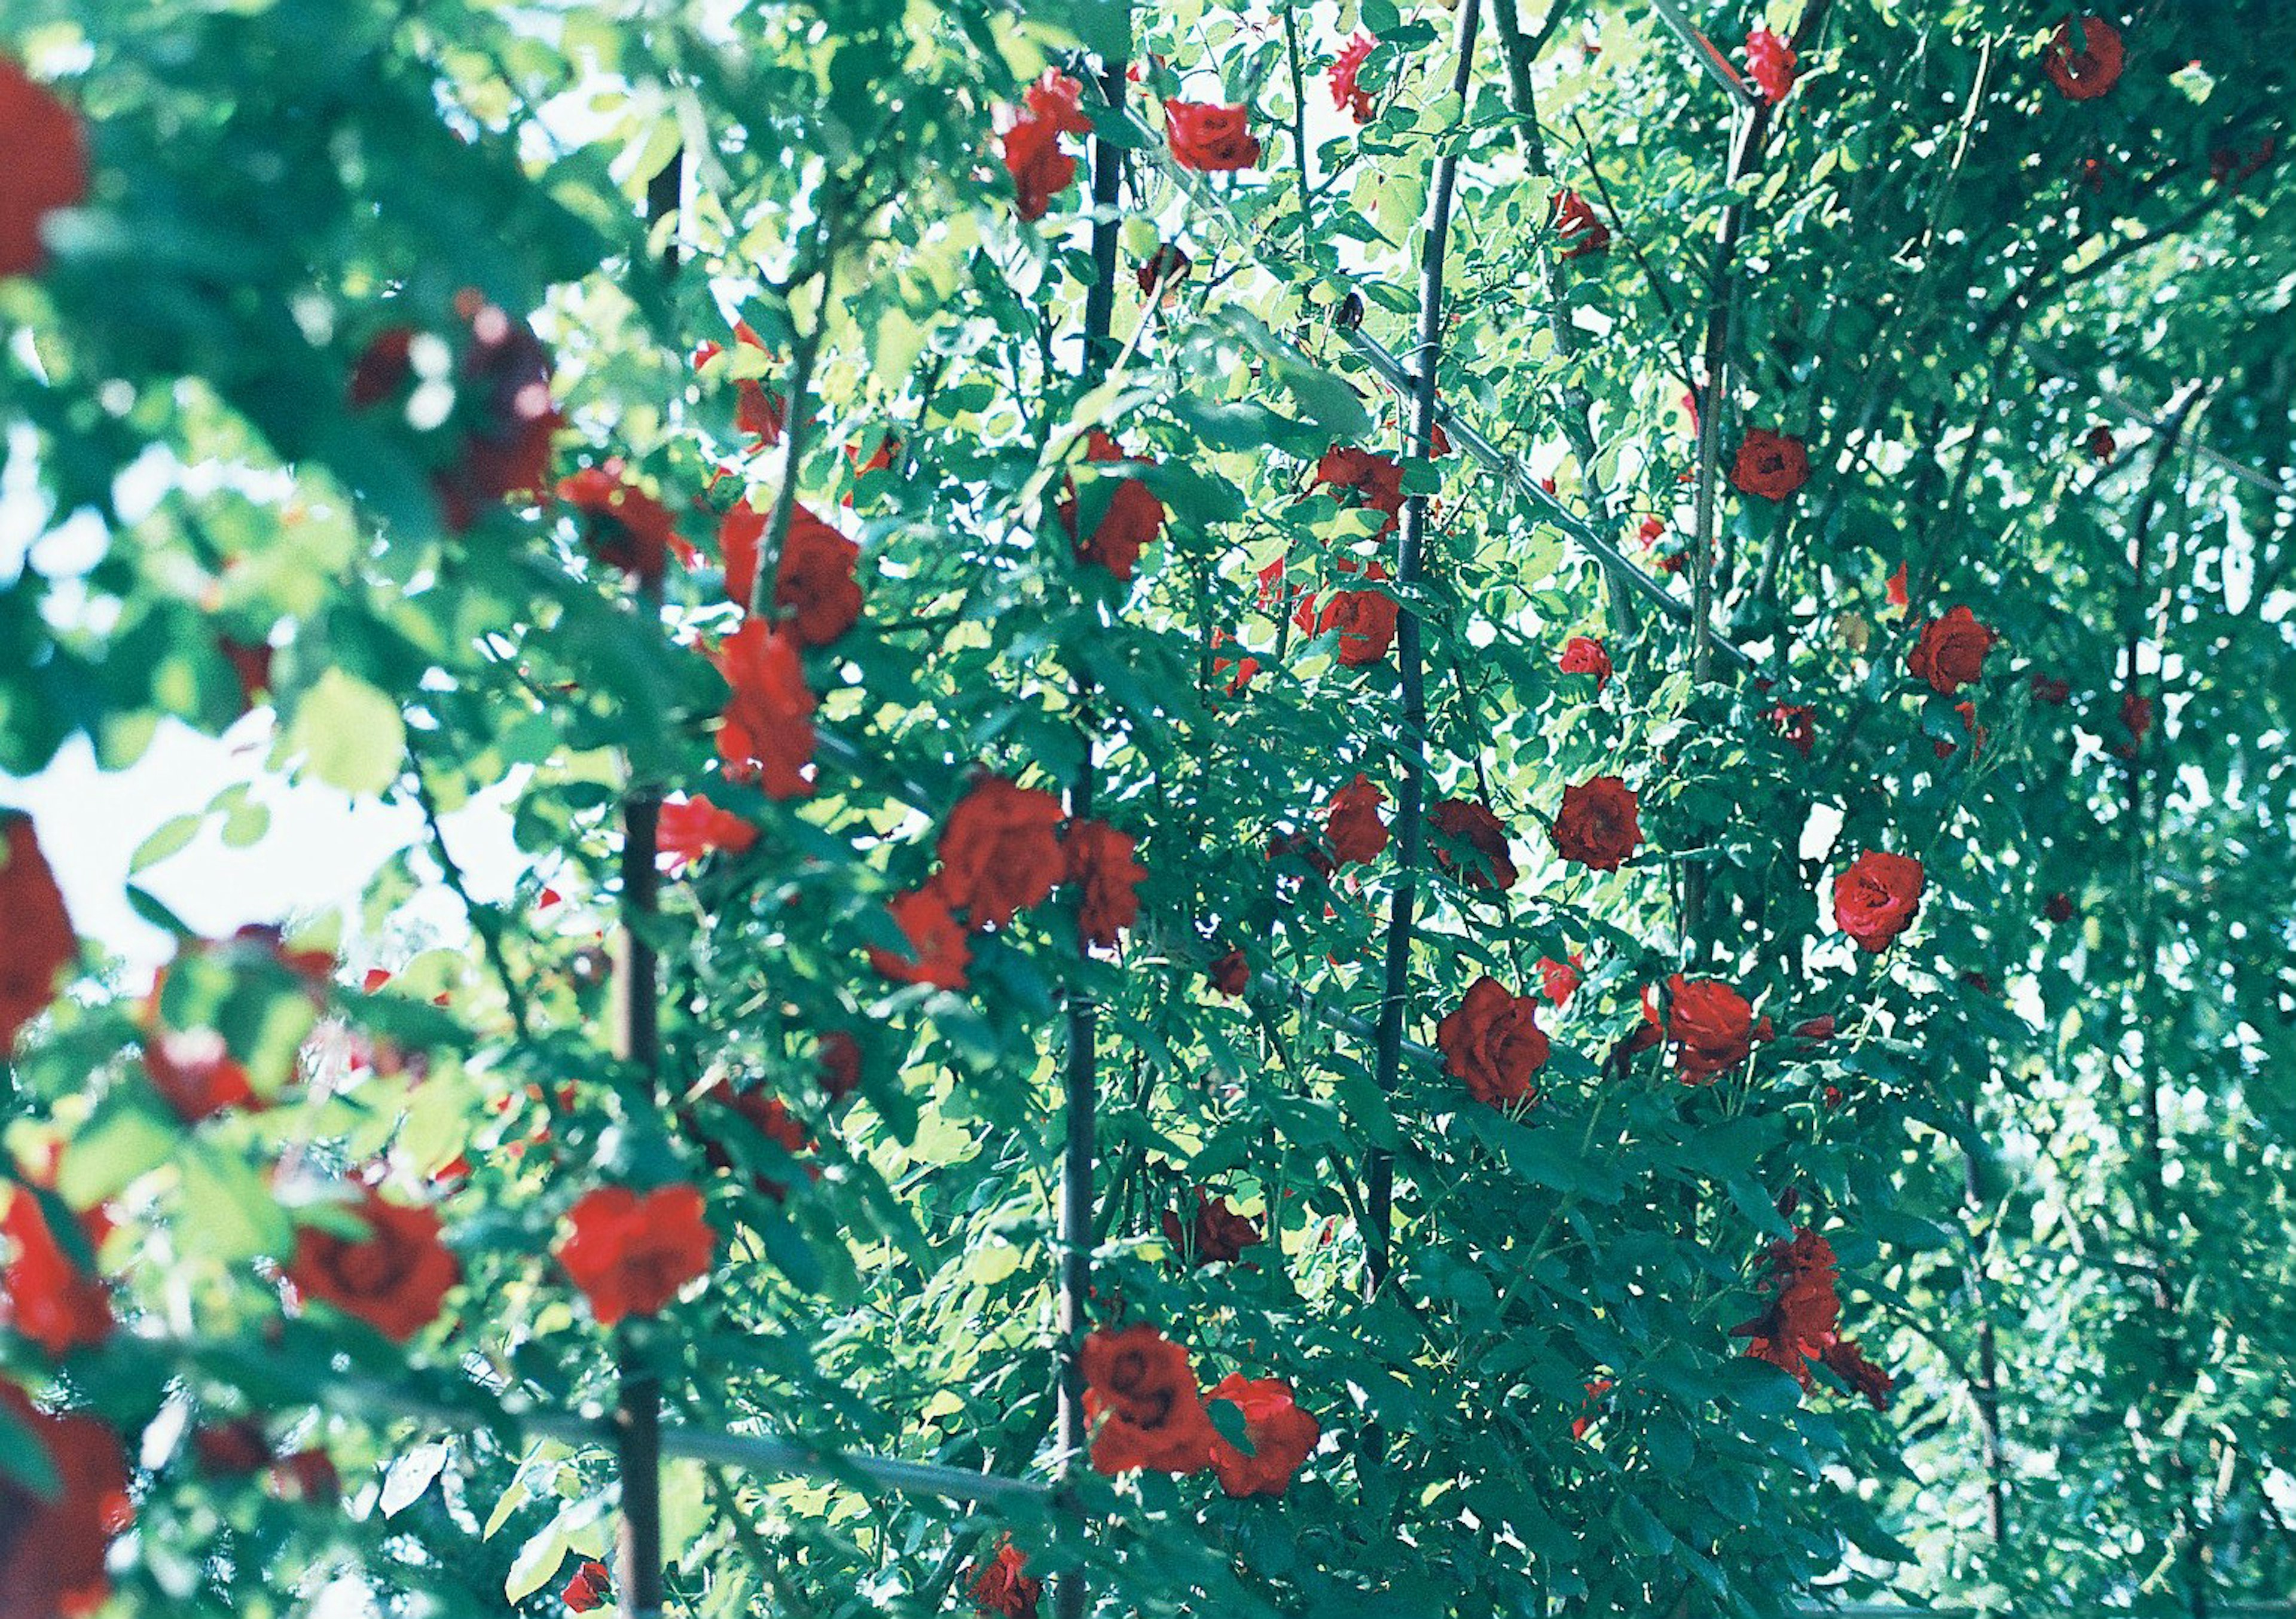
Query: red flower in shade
pixel 195 1074
pixel 1771 465
pixel 1281 1434
pixel 235 1449
pixel 2136 714
pixel 937 953
pixel 1492 1044
pixel 591 1589
pixel 1000 1587
pixel 2228 166
pixel 393 1279
pixel 1560 979
pixel 1573 221
pixel 1000 851
pixel 1951 651
pixel 2054 692
pixel 766 1114
pixel 41 943
pixel 1710 1024
pixel 625 526
pixel 837 1065
pixel 2101 443
pixel 250 666
pixel 1348 95
pixel 1375 480
pixel 1031 147
pixel 690 828
pixel 1470 844
pixel 1243 668
pixel 1770 64
pixel 1899 594
pixel 815 587
pixel 1167 265
pixel 1107 877
pixel 1585 655
pixel 52 1550
pixel 768 725
pixel 739 533
pixel 46 167
pixel 1599 823
pixel 1217 1234
pixel 1875 898
pixel 1351 820
pixel 44 1294
pixel 1364 619
pixel 629 1254
pixel 1209 139
pixel 1847 1362
pixel 762 415
pixel 1797 724
pixel 2082 73
pixel 1130 521
pixel 1140 1388
pixel 2059 909
pixel 1802 1322
pixel 1815 1031
pixel 503 414
pixel 1231 975
pixel 307 1476
pixel 1591 1411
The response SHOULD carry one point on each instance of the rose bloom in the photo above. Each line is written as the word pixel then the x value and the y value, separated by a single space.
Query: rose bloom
pixel 2136 714
pixel 762 415
pixel 235 1449
pixel 1951 651
pixel 1599 824
pixel 1366 621
pixel 1493 1044
pixel 1771 465
pixel 766 1114
pixel 1217 1234
pixel 1207 138
pixel 1571 220
pixel 44 1294
pixel 937 953
pixel 1001 1587
pixel 1231 975
pixel 1129 524
pixel 1795 723
pixel 590 1588
pixel 46 167
pixel 1816 1030
pixel 1560 980
pixel 195 1074
pixel 2056 693
pixel 1107 878
pixel 1040 170
pixel 1351 820
pixel 1875 897
pixel 629 1254
pixel 1770 64
pixel 1585 655
pixel 624 526
pixel 1000 850
pixel 395 1279
pixel 768 725
pixel 1348 95
pixel 52 1550
pixel 1140 1388
pixel 690 827
pixel 1375 479
pixel 1281 1434
pixel 1800 1319
pixel 1485 863
pixel 2101 445
pixel 837 1064
pixel 2082 73
pixel 815 587
pixel 41 943
pixel 502 412
pixel 1711 1025
pixel 1167 265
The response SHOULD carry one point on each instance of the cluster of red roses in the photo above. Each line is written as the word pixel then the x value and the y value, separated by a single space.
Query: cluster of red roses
pixel 1802 1322
pixel 1204 136
pixel 1141 1394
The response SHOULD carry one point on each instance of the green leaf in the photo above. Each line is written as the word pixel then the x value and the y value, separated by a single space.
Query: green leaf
pixel 349 734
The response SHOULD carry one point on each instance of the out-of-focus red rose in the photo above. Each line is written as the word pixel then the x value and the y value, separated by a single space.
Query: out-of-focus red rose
pixel 1771 465
pixel 2136 714
pixel 1209 139
pixel 2084 70
pixel 1571 220
pixel 837 1065
pixel 395 1278
pixel 1491 1042
pixel 1344 79
pixel 195 1074
pixel 2228 167
pixel 51 1551
pixel 1796 724
pixel 763 416
pixel 1000 1586
pixel 938 952
pixel 814 585
pixel 1875 897
pixel 2059 908
pixel 690 828
pixel 40 941
pixel 1167 266
pixel 1471 844
pixel 1000 851
pixel 591 1589
pixel 1217 1234
pixel 1231 975
pixel 768 725
pixel 1374 479
pixel 1141 1389
pixel 1281 1434
pixel 46 167
pixel 1129 523
pixel 624 527
pixel 763 1112
pixel 1351 822
pixel 630 1254
pixel 1585 655
pixel 1031 147
pixel 1107 879
pixel 236 1449
pixel 1710 1024
pixel 1899 594
pixel 1560 980
pixel 307 1476
pixel 44 1295
pixel 503 414
pixel 2101 443
pixel 1951 651
pixel 1770 64
pixel 1815 1031
pixel 1599 824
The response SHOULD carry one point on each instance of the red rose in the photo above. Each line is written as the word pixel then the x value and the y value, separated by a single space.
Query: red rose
pixel 1231 975
pixel 938 954
pixel 1770 64
pixel 1140 1388
pixel 41 943
pixel 1040 170
pixel 1244 667
pixel 1209 139
pixel 1800 1322
pixel 1772 465
pixel 1281 1434
pixel 2101 444
pixel 1130 521
pixel 1364 619
pixel 52 1550
pixel 2055 692
pixel 1571 220
pixel 768 725
pixel 1461 824
pixel 837 1065
pixel 690 828
pixel 590 1588
pixel 1167 266
pixel 1951 651
pixel 762 415
pixel 195 1074
pixel 1875 897
pixel 1351 822
pixel 236 1449
pixel 1347 94
pixel 2059 909
pixel 1899 594
pixel 624 526
pixel 1560 979
pixel 307 1476
pixel 630 1254
pixel 1000 851
pixel 813 586
pixel 395 1278
pixel 504 414
pixel 1817 1030
pixel 1847 1362
pixel 2083 74
pixel 1492 1044
pixel 1585 655
pixel 1796 723
pixel 1590 1411
pixel 766 1114
pixel 739 533
pixel 1217 1233
pixel 1711 1025
pixel 1107 877
pixel 46 167
pixel 1000 1587
pixel 250 666
pixel 2136 714
pixel 44 1295
pixel 1599 824
pixel 1376 481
